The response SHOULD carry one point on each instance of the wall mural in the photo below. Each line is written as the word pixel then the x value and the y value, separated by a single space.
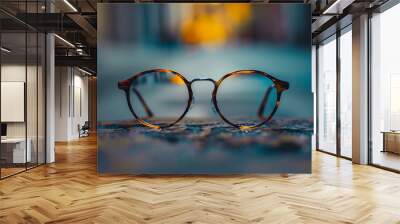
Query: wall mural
pixel 196 88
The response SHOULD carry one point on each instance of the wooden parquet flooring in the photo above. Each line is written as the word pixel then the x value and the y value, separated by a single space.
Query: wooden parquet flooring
pixel 71 191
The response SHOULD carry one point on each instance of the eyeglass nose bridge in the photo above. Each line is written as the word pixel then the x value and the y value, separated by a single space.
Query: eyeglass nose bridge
pixel 203 80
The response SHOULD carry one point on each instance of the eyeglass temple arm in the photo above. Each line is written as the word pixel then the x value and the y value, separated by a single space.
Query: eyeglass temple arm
pixel 264 102
pixel 125 86
pixel 141 99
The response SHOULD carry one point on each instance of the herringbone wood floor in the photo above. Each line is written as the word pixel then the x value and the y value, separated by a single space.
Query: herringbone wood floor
pixel 71 191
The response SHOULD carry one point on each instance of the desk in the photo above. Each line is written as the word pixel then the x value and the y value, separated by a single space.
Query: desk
pixel 15 148
pixel 391 141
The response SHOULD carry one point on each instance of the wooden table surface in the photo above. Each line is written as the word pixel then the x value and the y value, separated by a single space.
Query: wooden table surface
pixel 205 147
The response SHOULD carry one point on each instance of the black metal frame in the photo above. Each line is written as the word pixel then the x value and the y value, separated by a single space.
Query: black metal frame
pixel 369 114
pixel 338 98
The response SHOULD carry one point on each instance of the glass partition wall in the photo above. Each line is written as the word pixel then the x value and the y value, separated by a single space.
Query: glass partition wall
pixel 385 89
pixel 334 93
pixel 13 110
pixel 22 98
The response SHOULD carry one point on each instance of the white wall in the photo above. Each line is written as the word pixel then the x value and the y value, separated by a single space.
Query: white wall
pixel 71 102
pixel 13 101
pixel 17 73
pixel 14 73
pixel 61 103
pixel 79 103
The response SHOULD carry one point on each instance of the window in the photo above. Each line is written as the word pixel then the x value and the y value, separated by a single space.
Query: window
pixel 346 93
pixel 334 106
pixel 385 89
pixel 327 96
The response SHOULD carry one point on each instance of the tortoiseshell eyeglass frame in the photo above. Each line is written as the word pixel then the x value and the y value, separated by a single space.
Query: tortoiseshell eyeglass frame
pixel 279 85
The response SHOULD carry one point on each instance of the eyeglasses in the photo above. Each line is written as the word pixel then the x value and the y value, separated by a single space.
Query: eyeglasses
pixel 152 89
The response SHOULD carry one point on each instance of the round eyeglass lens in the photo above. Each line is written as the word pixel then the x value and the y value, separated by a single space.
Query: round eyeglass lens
pixel 246 98
pixel 159 97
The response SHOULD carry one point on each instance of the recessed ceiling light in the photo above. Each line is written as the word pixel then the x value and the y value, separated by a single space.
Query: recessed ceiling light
pixel 70 5
pixel 337 7
pixel 84 71
pixel 5 50
pixel 64 40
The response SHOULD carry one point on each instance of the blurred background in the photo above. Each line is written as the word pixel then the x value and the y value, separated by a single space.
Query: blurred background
pixel 204 41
